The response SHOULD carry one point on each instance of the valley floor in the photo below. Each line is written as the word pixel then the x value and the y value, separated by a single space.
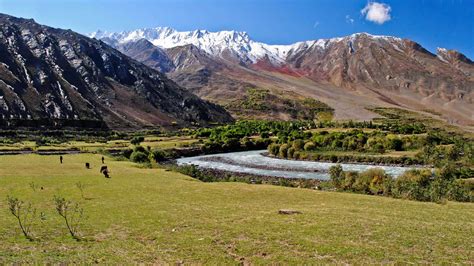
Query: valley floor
pixel 155 216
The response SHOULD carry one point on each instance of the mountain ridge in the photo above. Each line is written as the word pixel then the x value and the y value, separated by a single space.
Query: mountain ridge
pixel 54 74
pixel 378 71
pixel 215 43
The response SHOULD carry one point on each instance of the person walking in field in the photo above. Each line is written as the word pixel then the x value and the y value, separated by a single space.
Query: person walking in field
pixel 103 159
pixel 61 159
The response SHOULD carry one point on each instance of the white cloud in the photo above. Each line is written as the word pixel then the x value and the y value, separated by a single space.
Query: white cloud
pixel 377 12
pixel 349 19
pixel 316 24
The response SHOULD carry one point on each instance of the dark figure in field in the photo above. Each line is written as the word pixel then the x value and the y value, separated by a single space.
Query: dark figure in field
pixel 61 159
pixel 88 166
pixel 103 159
pixel 105 171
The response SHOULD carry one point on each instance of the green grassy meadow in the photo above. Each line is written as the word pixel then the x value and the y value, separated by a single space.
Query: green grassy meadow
pixel 144 215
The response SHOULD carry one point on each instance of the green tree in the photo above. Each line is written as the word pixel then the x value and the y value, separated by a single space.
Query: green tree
pixel 137 140
pixel 337 175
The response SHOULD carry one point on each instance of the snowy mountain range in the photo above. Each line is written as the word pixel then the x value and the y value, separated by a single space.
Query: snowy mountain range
pixel 221 43
pixel 351 74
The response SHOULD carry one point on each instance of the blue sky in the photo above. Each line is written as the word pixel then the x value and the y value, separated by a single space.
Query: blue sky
pixel 433 23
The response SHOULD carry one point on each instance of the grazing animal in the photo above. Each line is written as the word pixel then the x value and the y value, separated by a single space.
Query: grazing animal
pixel 105 171
pixel 88 166
pixel 103 168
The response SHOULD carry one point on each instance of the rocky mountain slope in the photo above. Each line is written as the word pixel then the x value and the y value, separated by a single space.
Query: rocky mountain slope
pixel 350 74
pixel 49 74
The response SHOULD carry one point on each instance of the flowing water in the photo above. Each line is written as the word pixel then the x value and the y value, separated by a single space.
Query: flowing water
pixel 254 162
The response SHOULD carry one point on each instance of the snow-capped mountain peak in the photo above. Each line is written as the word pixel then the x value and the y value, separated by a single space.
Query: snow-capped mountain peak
pixel 235 43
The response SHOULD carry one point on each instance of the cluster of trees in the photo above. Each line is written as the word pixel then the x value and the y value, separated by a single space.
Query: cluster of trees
pixel 415 184
pixel 140 154
pixel 247 135
pixel 437 147
pixel 354 140
pixel 357 140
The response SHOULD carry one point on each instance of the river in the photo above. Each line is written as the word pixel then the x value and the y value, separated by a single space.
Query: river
pixel 254 162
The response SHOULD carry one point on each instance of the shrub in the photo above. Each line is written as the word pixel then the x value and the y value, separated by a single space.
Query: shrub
pixel 126 153
pixel 381 182
pixel 372 181
pixel 25 214
pixel 413 184
pixel 337 175
pixel 296 155
pixel 283 151
pixel 298 145
pixel 349 180
pixel 460 190
pixel 273 149
pixel 72 214
pixel 309 146
pixel 137 140
pixel 247 143
pixel 140 149
pixel 139 157
pixel 158 155
pixel 396 144
pixel 290 152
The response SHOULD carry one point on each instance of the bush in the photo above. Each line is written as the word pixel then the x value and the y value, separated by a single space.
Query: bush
pixel 290 152
pixel 298 145
pixel 274 149
pixel 460 190
pixel 126 153
pixel 139 157
pixel 396 144
pixel 349 180
pixel 413 184
pixel 137 140
pixel 140 149
pixel 381 182
pixel 337 175
pixel 283 151
pixel 296 155
pixel 309 146
pixel 158 155
pixel 362 183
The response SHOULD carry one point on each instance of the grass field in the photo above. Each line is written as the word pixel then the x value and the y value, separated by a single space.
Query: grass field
pixel 155 216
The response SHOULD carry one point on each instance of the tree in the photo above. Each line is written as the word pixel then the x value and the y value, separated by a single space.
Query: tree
pixel 396 144
pixel 139 157
pixel 137 140
pixel 158 155
pixel 25 214
pixel 72 214
pixel 337 175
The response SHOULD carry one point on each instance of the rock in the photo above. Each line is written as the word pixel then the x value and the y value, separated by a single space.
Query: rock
pixel 288 212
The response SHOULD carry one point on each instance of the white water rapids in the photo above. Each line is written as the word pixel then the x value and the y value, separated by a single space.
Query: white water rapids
pixel 253 162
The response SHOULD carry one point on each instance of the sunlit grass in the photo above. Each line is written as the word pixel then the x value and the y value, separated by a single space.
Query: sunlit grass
pixel 145 215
